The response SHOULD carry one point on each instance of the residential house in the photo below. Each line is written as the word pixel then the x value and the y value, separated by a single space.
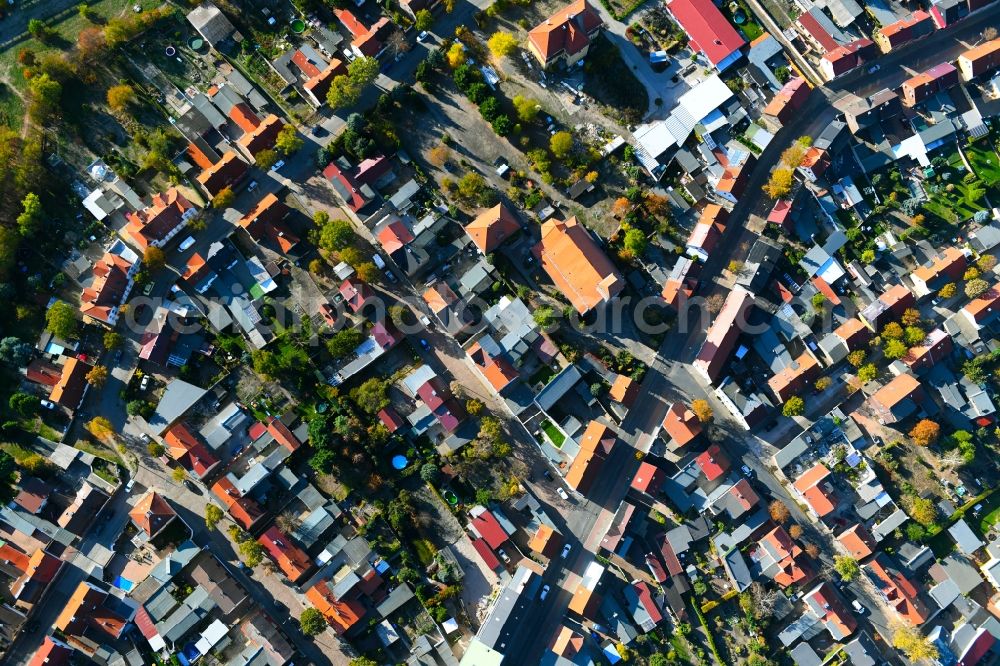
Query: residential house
pixel 735 500
pixel 782 560
pixel 795 378
pixel 816 491
pixel 897 400
pixel 52 652
pixel 918 88
pixel 916 25
pixel 596 444
pixel 356 185
pixel 343 614
pixel 450 310
pixel 243 510
pixel 577 265
pixel 849 336
pixel 896 589
pixel 937 346
pixel 227 172
pixel 485 526
pixel 749 410
pixel 188 451
pixel 72 385
pixel 152 514
pixel 814 163
pixel 161 221
pixel 786 102
pixel 265 224
pixel 708 231
pixel 682 425
pixel 356 294
pixel 708 31
pixel 566 35
pixel 648 479
pixel 263 137
pixel 723 334
pixel 492 228
pixel 857 541
pixel 890 306
pixel 366 41
pixel 291 559
pixel 846 57
pixel 819 32
pixel 92 616
pixel 980 60
pixel 983 309
pixel 733 182
pixel 493 364
pixel 713 464
pixel 826 604
pixel 114 275
pixel 948 266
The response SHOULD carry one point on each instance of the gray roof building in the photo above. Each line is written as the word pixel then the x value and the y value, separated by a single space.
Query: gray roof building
pixel 210 23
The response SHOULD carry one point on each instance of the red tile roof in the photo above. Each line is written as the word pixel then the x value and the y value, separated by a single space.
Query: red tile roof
pixel 648 478
pixel 244 117
pixel 341 614
pixel 152 513
pixel 814 489
pixel 897 589
pixel 224 173
pixel 52 652
pixel 566 31
pixel 488 527
pixel 858 542
pixel 596 445
pixel 492 227
pixel 42 372
pixel 265 223
pixel 707 28
pixel 243 510
pixel 72 383
pixel 484 552
pixel 713 462
pixel 159 219
pixel 184 447
pixel 282 434
pixel 292 561
pixel 106 292
pixel 262 138
pixel 577 265
pixel 390 419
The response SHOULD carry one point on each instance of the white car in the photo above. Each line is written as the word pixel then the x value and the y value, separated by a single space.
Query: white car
pixel 545 593
pixel 565 551
pixel 252 186
pixel 186 243
pixel 422 37
pixel 48 405
pixel 503 556
pixel 562 493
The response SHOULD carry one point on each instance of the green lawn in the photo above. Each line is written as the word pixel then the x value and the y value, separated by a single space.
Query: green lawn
pixel 553 433
pixel 984 162
pixel 990 513
pixel 542 375
pixel 425 551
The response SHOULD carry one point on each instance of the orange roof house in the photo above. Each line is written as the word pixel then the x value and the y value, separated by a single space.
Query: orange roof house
pixel 185 447
pixel 916 25
pixel 72 384
pixel 492 227
pixel 565 35
pixel 826 603
pixel 244 117
pixel 782 560
pixel 813 486
pixel 317 87
pixel 984 308
pixel 854 333
pixel 110 287
pixel 595 447
pixel 577 266
pixel 795 378
pixel 887 307
pixel 341 614
pixel 936 346
pixel 292 561
pixel 897 399
pixel 265 224
pixel 243 510
pixel 497 370
pixel 161 221
pixel 52 652
pixel 713 462
pixel 681 424
pixel 152 513
pixel 897 590
pixel 789 99
pixel 225 173
pixel 948 266
pixel 705 235
pixel 624 390
pixel 263 137
pixel 86 621
pixel 545 541
pixel 857 541
pixel 979 60
pixel 282 435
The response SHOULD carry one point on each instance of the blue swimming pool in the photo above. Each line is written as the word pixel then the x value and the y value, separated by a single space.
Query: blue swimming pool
pixel 399 462
pixel 124 584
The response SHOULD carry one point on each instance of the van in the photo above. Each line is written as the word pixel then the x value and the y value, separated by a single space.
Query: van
pixel 378 261
pixel 186 243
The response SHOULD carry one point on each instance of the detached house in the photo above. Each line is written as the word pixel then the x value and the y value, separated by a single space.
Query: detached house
pixel 595 448
pixel 707 232
pixel 888 307
pixel 265 224
pixel 566 35
pixel 983 309
pixel 795 378
pixel 161 221
pixel 682 425
pixel 897 590
pixel 577 265
pixel 68 392
pixel 782 560
pixel 492 228
pixel 815 489
pixel 896 400
pixel 710 33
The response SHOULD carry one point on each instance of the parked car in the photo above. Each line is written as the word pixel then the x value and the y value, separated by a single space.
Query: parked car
pixel 565 551
pixel 252 186
pixel 148 289
pixel 747 472
pixel 130 485
pixel 548 475
pixel 503 556
pixel 144 384
pixel 423 36
pixel 859 608
pixel 48 405
pixel 545 593
pixel 278 165
pixel 562 493
pixel 186 243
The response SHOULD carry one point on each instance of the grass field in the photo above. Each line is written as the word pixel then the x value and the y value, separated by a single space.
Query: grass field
pixel 984 162
pixel 553 433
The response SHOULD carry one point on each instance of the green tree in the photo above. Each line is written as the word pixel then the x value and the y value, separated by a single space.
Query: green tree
pixel 846 566
pixel 31 215
pixel 430 473
pixel 14 352
pixel 857 357
pixel 372 395
pixel 38 29
pixel 779 184
pixel 335 235
pixel 224 198
pixel 120 97
pixel 155 449
pixel 868 256
pixel 44 97
pixel 423 20
pixel 895 349
pixel 527 109
pixel 289 141
pixel 818 299
pixel 867 373
pixel 97 376
pixel 252 552
pixel 635 242
pixel 794 406
pixel 312 622
pixel 948 290
pixel 213 514
pixel 60 319
pixel 266 158
pixel 502 44
pixel 362 661
pixel 923 511
pixel 113 340
pixel 893 331
pixel 908 640
pixel 154 258
pixel 545 317
pixel 24 404
pixel 561 144
pixel 975 288
pixel 914 335
pixel 344 342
